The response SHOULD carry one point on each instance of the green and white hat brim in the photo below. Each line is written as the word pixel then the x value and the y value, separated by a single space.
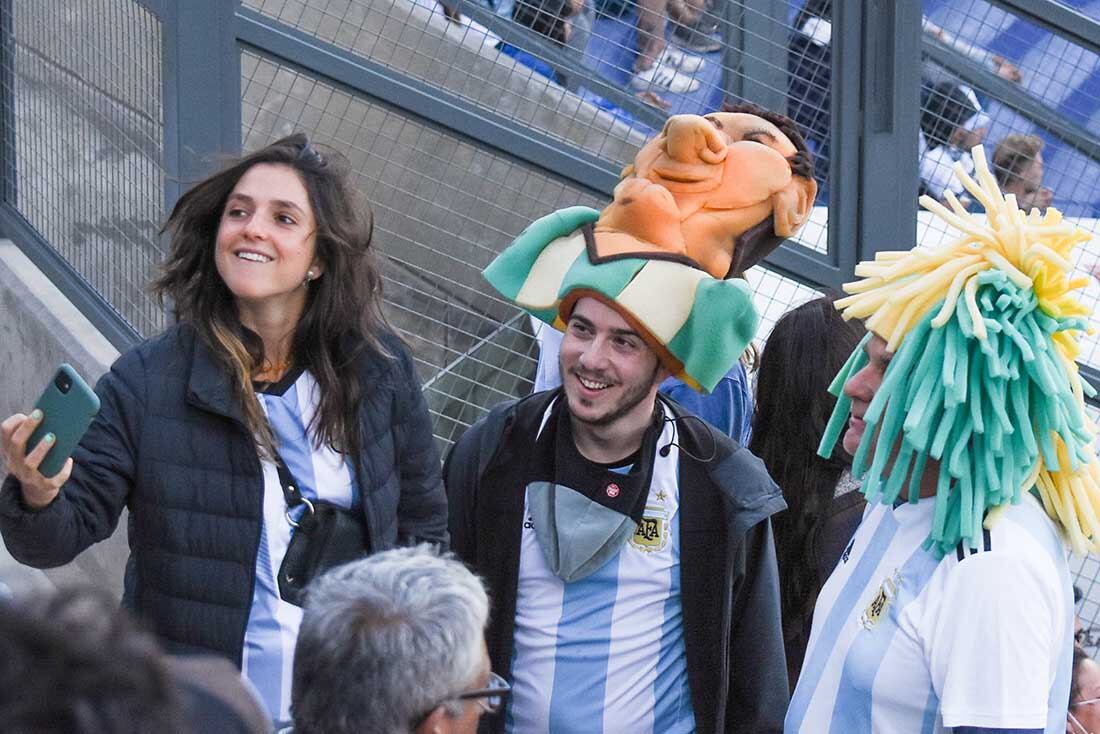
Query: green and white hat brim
pixel 697 324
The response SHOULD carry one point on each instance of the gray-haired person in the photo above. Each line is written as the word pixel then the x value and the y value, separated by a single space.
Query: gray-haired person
pixel 393 644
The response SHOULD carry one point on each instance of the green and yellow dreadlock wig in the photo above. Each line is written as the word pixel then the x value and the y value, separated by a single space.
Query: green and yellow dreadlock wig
pixel 984 333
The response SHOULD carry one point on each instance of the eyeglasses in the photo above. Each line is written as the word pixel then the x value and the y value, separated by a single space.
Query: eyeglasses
pixel 490 698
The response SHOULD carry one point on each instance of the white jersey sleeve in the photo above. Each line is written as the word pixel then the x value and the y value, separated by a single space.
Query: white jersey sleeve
pixel 995 639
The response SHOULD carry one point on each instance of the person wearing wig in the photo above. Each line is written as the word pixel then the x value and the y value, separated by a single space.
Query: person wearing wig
pixel 628 543
pixel 952 607
pixel 281 361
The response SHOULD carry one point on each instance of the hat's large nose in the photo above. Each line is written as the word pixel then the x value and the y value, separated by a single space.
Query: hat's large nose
pixel 693 139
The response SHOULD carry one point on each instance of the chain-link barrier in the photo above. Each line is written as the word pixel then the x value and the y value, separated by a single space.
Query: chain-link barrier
pixel 87 127
pixel 446 205
pixel 1031 97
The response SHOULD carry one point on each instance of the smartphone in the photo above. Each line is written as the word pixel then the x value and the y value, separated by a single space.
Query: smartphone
pixel 68 406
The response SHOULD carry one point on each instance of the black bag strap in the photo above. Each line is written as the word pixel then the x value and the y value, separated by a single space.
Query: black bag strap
pixel 288 483
pixel 291 492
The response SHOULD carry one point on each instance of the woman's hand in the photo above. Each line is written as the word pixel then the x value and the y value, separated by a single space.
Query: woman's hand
pixel 38 491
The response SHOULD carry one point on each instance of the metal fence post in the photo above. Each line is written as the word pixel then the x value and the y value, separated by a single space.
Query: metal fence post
pixel 202 90
pixel 764 64
pixel 8 191
pixel 876 117
pixel 754 55
pixel 891 100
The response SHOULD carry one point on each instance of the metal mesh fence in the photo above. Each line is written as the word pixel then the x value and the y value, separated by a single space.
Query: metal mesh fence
pixel 88 130
pixel 444 207
pixel 597 75
pixel 1031 97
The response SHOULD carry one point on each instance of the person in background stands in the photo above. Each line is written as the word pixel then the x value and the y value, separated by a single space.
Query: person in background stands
pixel 952 122
pixel 1018 166
pixel 658 65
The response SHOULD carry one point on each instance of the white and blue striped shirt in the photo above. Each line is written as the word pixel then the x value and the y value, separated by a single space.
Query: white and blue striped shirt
pixel 605 653
pixel 903 642
pixel 321 473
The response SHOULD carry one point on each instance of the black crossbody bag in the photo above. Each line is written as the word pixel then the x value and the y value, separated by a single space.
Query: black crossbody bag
pixel 327 535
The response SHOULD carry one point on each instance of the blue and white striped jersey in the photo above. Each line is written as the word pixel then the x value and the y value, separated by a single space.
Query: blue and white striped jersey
pixel 605 653
pixel 321 473
pixel 903 642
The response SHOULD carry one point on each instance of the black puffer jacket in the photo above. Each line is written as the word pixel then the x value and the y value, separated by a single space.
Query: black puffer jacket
pixel 170 444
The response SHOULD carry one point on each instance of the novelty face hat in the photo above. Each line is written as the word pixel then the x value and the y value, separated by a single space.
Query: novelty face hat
pixel 679 224
pixel 983 380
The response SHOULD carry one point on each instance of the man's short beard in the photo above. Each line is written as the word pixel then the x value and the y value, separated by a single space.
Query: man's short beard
pixel 629 401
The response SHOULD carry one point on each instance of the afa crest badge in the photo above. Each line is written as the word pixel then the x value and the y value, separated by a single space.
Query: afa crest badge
pixel 881 601
pixel 651 535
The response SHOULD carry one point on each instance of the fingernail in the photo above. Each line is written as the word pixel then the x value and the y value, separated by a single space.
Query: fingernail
pixel 36 415
pixel 49 438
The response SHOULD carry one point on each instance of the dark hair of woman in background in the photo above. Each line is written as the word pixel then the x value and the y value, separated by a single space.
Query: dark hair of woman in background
pixel 805 350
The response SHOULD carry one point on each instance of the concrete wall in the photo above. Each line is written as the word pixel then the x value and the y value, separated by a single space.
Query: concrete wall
pixel 40 329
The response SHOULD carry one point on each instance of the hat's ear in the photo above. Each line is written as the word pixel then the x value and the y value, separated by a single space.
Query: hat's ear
pixel 791 205
pixel 627 172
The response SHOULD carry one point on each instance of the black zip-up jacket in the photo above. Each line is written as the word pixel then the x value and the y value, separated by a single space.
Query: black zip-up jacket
pixel 170 443
pixel 730 588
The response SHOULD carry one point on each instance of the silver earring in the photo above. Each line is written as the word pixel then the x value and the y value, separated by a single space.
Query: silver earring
pixel 309 276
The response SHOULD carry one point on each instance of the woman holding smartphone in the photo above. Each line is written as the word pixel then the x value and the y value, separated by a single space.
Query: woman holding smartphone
pixel 281 367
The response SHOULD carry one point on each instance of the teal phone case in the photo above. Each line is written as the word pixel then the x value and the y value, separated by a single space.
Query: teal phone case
pixel 66 415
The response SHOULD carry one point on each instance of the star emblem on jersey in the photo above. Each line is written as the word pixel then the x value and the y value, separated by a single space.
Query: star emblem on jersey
pixel 612 490
pixel 661 495
pixel 651 535
pixel 881 601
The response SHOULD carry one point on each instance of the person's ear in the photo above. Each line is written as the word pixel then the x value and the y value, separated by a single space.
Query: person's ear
pixel 316 268
pixel 437 722
pixel 791 205
pixel 661 374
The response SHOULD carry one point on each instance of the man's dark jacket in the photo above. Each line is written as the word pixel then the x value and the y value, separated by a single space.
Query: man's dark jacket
pixel 170 443
pixel 730 588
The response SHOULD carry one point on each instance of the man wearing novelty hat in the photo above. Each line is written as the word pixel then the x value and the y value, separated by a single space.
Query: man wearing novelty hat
pixel 952 607
pixel 627 544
